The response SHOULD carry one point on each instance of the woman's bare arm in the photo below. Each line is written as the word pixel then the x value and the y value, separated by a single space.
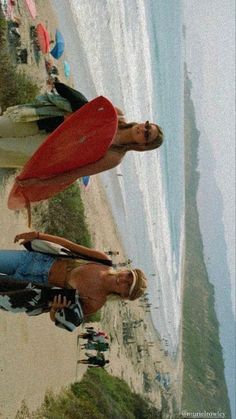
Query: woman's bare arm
pixel 73 247
pixel 110 160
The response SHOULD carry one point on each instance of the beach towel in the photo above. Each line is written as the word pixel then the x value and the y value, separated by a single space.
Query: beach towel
pixel 33 299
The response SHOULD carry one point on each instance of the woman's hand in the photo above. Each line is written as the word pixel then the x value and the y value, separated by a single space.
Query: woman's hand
pixel 26 237
pixel 58 303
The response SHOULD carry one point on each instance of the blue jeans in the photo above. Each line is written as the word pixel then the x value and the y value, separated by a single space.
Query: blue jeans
pixel 26 266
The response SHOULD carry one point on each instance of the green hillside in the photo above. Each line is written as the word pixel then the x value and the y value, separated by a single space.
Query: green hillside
pixel 204 386
pixel 97 396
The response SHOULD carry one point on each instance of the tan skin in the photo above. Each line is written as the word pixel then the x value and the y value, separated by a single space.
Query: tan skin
pixel 99 279
pixel 135 134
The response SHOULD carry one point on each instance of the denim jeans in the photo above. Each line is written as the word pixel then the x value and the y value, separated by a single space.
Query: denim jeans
pixel 26 266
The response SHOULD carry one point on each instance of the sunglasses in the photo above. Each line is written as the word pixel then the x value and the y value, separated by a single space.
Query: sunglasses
pixel 147 131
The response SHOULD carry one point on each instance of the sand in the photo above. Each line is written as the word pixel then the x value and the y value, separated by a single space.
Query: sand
pixel 35 355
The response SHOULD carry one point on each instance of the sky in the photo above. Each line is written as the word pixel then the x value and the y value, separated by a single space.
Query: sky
pixel 210 52
pixel 210 57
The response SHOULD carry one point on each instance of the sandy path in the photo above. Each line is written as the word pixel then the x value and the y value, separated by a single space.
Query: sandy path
pixel 34 354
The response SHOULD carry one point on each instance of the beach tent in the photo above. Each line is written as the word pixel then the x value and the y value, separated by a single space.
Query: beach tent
pixel 59 47
pixel 31 7
pixel 66 69
pixel 42 38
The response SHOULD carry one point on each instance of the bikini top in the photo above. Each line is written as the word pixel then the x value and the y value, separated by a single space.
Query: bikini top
pixel 66 260
pixel 59 273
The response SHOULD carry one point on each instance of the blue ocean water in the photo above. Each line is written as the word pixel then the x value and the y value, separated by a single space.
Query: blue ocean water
pixel 131 52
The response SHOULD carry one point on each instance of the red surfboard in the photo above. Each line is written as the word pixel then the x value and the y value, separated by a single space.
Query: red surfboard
pixel 83 138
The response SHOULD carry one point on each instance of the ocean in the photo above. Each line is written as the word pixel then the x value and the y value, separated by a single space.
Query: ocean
pixel 131 52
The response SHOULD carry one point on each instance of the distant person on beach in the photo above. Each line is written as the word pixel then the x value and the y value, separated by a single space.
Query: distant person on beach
pixel 96 346
pixel 24 127
pixel 126 263
pixel 87 273
pixel 94 336
pixel 112 253
pixel 96 361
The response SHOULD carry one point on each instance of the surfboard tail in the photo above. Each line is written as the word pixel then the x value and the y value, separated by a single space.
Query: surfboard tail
pixel 18 200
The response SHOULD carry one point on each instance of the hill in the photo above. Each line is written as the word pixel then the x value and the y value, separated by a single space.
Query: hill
pixel 204 386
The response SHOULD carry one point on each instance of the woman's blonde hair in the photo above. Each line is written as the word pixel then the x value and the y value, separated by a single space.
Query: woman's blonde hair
pixel 137 288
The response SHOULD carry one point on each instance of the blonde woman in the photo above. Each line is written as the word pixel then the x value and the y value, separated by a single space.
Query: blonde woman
pixel 87 271
pixel 23 128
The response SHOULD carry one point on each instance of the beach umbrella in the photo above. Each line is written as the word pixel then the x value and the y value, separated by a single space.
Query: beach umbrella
pixel 86 181
pixel 66 69
pixel 59 47
pixel 42 38
pixel 31 7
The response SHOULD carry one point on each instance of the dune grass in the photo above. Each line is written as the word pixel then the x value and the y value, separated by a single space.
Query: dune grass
pixel 63 215
pixel 15 87
pixel 98 396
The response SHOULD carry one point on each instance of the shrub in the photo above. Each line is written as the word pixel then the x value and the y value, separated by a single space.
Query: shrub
pixel 16 87
pixel 64 215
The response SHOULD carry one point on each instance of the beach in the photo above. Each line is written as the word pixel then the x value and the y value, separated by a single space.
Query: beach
pixel 34 355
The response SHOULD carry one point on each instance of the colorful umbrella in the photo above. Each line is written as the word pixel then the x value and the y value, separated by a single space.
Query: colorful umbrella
pixel 31 7
pixel 43 38
pixel 59 47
